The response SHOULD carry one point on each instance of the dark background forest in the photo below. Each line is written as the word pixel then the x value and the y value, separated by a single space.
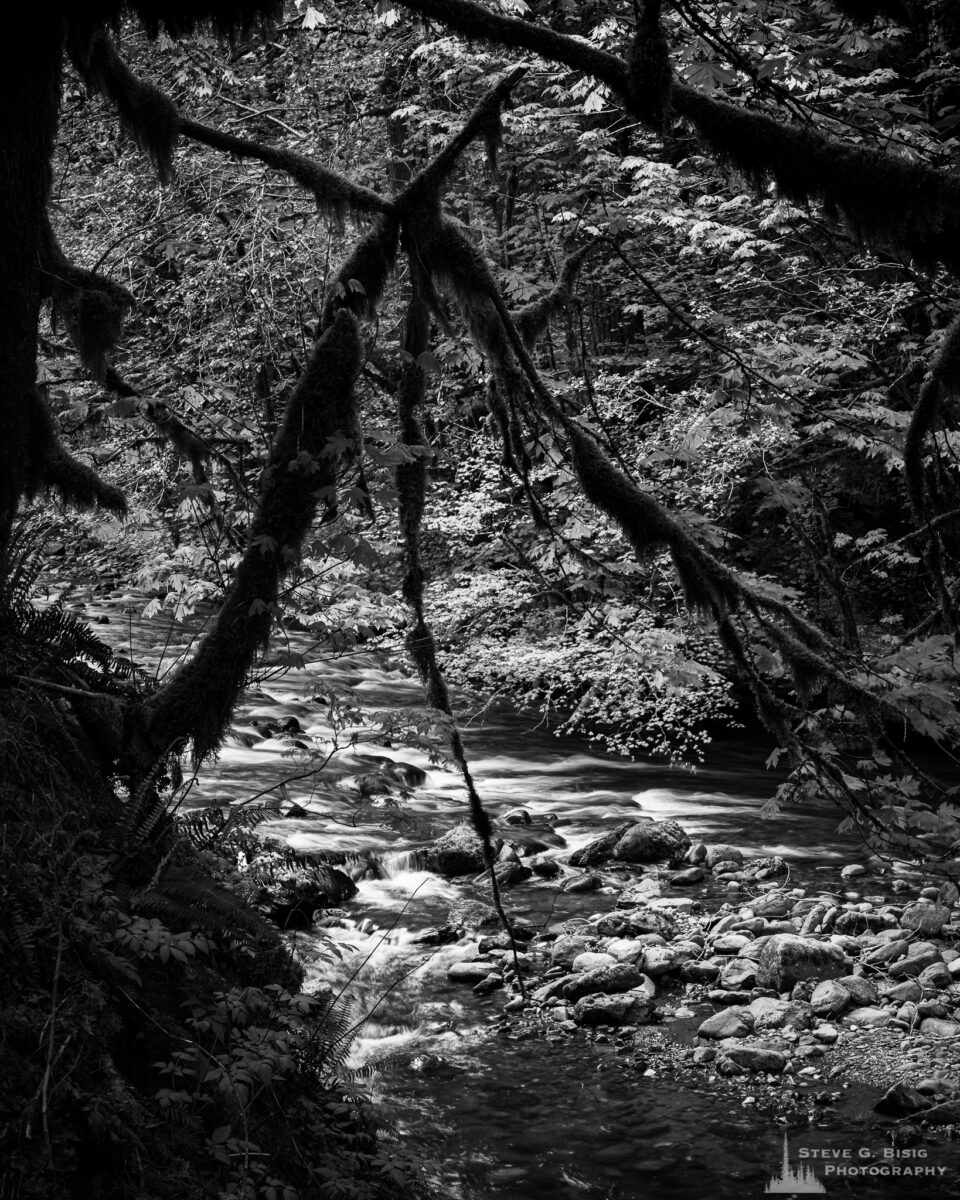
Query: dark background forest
pixel 602 358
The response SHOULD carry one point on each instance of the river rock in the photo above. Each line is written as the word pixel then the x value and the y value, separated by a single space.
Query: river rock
pixel 459 851
pixel 545 868
pixel 916 961
pixel 828 1034
pixel 731 943
pixel 728 869
pixel 654 841
pixel 674 904
pixel 659 960
pixel 829 998
pixel 871 1018
pixel 736 1021
pixel 600 849
pixel 901 1100
pixel 887 951
pixel 765 868
pixel 771 1013
pixel 853 871
pixel 937 975
pixel 928 919
pixel 639 893
pixel 587 882
pixel 619 978
pixel 470 972
pixel 756 1058
pixel 592 958
pixel 861 989
pixel 947 1113
pixel 290 893
pixel 686 878
pixel 567 947
pixel 509 874
pixel 629 950
pixel 721 853
pixel 628 1008
pixel 703 970
pixel 787 959
pixel 739 973
pixel 773 904
pixel 933 1027
pixel 632 922
pixel 517 816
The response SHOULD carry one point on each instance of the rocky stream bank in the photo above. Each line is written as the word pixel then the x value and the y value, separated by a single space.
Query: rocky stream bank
pixel 703 963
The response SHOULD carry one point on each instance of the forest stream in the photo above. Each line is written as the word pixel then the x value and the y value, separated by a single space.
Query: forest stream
pixel 499 1111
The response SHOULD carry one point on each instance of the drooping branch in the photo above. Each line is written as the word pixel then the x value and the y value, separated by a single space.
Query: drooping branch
pixel 186 441
pixel 533 318
pixel 361 278
pixel 92 306
pixel 148 115
pixel 411 480
pixel 336 196
pixel 473 20
pixel 51 468
pixel 483 122
pixel 300 474
pixel 891 202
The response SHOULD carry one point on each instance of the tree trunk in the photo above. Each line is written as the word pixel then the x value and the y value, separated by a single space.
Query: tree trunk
pixel 30 61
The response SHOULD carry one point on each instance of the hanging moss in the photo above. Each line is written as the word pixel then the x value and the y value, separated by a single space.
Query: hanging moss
pixel 533 318
pixel 91 305
pixel 359 283
pixel 197 702
pixel 147 114
pixel 888 200
pixel 52 469
pixel 180 17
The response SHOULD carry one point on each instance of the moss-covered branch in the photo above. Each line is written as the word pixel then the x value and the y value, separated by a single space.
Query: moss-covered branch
pixel 91 305
pixel 148 115
pixel 336 196
pixel 196 703
pixel 533 318
pixel 51 468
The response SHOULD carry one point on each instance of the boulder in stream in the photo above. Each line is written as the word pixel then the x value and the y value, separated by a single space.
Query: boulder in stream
pixel 627 1008
pixel 729 1022
pixel 291 888
pixel 459 851
pixel 639 842
pixel 787 959
pixel 754 1058
pixel 618 978
pixel 636 921
pixel 653 841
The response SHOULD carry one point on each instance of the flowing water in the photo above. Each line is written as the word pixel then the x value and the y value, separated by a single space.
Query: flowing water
pixel 499 1113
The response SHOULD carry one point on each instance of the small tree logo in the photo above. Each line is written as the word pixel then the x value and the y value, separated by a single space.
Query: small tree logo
pixel 794 1181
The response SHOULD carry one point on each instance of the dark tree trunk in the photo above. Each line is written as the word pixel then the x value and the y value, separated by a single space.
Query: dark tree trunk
pixel 30 62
